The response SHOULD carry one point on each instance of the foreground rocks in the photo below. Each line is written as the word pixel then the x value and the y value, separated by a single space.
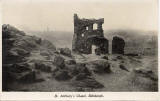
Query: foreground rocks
pixel 59 61
pixel 87 82
pixel 62 75
pixel 19 51
pixel 65 51
pixel 80 74
pixel 100 66
pixel 146 73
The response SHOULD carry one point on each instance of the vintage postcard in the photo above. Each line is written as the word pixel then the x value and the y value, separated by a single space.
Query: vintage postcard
pixel 79 46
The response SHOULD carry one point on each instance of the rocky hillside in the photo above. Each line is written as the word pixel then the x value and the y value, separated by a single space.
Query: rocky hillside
pixel 35 64
pixel 21 53
pixel 29 59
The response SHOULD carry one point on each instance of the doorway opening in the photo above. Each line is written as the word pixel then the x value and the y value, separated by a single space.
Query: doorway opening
pixel 93 49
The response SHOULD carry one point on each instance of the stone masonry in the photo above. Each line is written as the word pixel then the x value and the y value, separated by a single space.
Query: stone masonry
pixel 85 36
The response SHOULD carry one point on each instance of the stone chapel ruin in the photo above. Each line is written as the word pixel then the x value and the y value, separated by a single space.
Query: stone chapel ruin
pixel 88 40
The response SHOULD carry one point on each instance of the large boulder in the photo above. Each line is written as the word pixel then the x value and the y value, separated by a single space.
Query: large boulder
pixel 43 67
pixel 59 61
pixel 87 82
pixel 72 69
pixel 81 67
pixel 148 73
pixel 81 76
pixel 17 67
pixel 100 66
pixel 105 57
pixel 28 77
pixel 31 77
pixel 122 66
pixel 65 51
pixel 62 75
pixel 70 62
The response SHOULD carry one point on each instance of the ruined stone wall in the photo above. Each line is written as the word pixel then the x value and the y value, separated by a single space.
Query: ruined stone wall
pixel 118 45
pixel 83 29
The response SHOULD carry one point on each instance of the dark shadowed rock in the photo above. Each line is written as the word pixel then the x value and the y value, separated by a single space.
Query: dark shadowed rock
pixel 28 77
pixel 70 62
pixel 123 67
pixel 146 73
pixel 119 57
pixel 81 76
pixel 17 67
pixel 59 61
pixel 105 57
pixel 88 82
pixel 100 66
pixel 31 77
pixel 42 66
pixel 62 75
pixel 65 51
pixel 81 67
pixel 72 69
pixel 20 51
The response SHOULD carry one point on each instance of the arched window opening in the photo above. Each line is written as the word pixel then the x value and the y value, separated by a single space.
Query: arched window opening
pixel 86 28
pixel 95 26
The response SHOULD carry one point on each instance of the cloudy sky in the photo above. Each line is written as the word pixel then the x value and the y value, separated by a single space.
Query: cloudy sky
pixel 58 15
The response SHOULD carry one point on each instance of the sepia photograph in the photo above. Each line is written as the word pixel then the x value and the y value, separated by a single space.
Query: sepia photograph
pixel 79 46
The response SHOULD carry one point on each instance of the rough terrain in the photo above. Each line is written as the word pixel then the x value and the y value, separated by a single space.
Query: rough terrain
pixel 35 64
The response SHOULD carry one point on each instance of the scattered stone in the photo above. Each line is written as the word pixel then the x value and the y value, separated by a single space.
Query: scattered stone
pixel 100 66
pixel 42 66
pixel 72 69
pixel 20 51
pixel 146 73
pixel 65 51
pixel 44 53
pixel 123 67
pixel 59 61
pixel 28 77
pixel 81 76
pixel 119 57
pixel 88 82
pixel 81 67
pixel 70 62
pixel 105 57
pixel 62 75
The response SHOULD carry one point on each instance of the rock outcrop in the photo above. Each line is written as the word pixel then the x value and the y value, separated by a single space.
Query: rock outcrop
pixel 20 53
pixel 100 66
pixel 65 51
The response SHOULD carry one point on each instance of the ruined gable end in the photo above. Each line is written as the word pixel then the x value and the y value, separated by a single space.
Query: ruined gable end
pixel 89 32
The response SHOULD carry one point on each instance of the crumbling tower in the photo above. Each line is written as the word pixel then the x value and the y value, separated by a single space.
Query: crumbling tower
pixel 85 36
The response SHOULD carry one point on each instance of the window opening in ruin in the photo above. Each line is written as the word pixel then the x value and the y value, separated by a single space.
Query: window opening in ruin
pixel 82 35
pixel 94 26
pixel 93 49
pixel 86 28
